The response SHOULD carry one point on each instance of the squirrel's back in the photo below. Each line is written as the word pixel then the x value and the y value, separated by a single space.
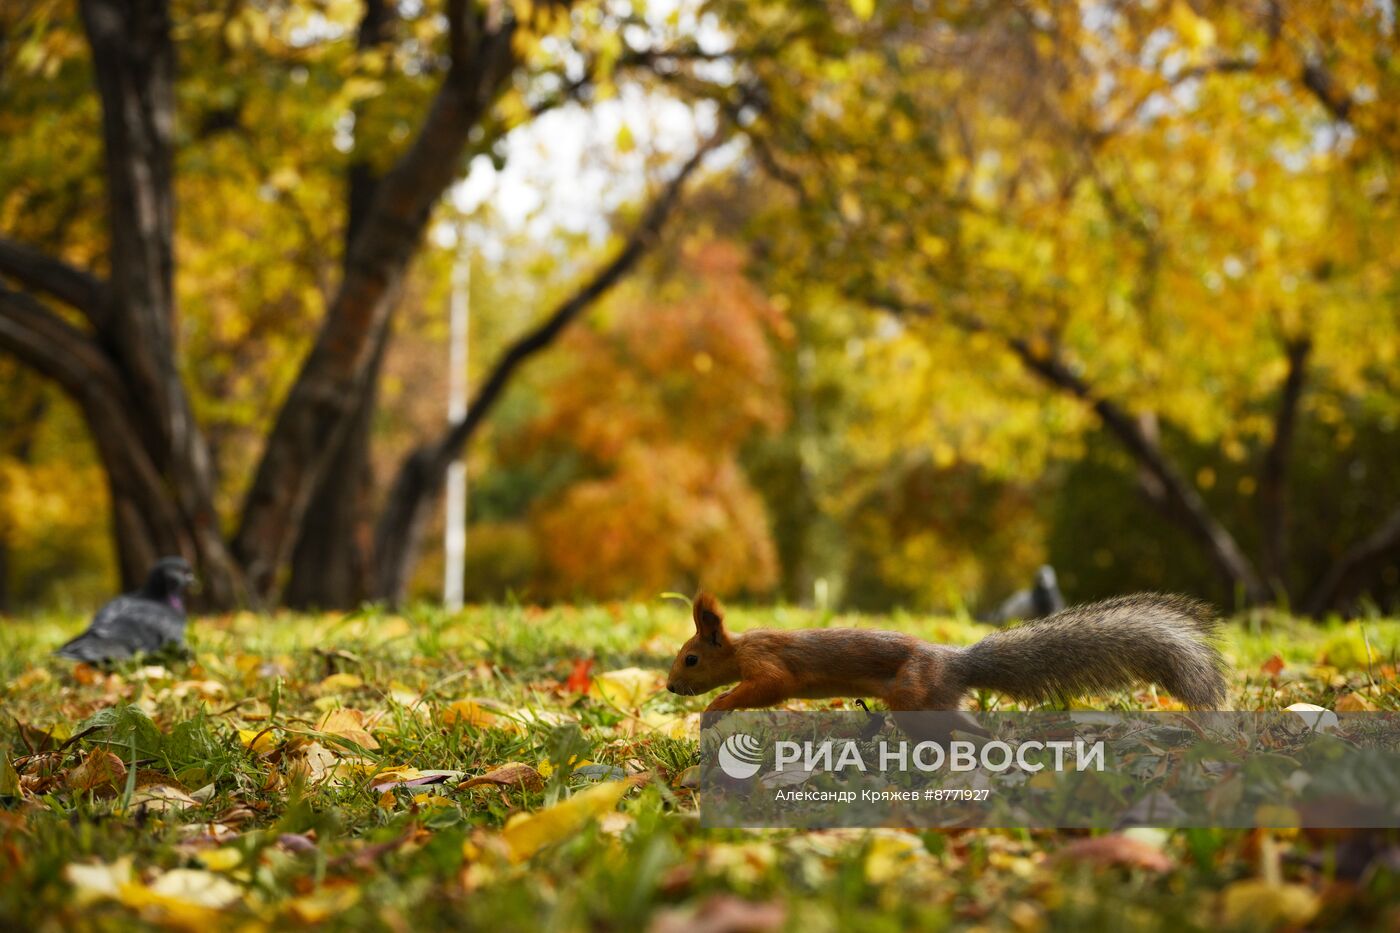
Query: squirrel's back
pixel 1167 640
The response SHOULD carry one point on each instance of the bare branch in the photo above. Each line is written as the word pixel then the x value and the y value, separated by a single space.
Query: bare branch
pixel 420 477
pixel 38 270
pixel 1189 508
pixel 1334 585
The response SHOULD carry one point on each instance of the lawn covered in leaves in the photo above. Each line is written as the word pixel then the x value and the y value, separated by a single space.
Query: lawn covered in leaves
pixel 515 768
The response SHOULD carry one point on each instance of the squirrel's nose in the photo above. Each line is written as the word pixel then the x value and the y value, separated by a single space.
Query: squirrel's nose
pixel 672 688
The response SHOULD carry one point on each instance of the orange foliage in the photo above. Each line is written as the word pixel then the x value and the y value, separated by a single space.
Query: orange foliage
pixel 658 403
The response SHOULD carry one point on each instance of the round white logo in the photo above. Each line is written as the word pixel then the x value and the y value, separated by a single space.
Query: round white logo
pixel 740 756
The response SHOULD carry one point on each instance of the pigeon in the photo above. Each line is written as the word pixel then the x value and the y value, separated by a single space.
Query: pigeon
pixel 1042 599
pixel 146 621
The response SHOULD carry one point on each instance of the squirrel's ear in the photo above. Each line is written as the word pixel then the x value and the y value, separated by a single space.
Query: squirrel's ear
pixel 709 618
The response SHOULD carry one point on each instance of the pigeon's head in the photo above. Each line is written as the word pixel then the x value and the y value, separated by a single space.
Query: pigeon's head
pixel 168 580
pixel 1045 577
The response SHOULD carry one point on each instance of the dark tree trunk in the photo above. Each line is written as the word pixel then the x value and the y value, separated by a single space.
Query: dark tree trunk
pixel 332 566
pixel 333 558
pixel 321 405
pixel 134 68
pixel 1273 477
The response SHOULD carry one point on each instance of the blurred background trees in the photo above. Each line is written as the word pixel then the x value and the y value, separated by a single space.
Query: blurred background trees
pixel 972 287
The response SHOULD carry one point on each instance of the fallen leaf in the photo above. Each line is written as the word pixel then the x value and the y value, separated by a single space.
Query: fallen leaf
pixel 528 833
pixel 100 771
pixel 31 678
pixel 890 856
pixel 225 858
pixel 722 913
pixel 348 724
pixel 1116 849
pixel 1257 904
pixel 323 904
pixel 191 887
pixel 94 882
pixel 627 688
pixel 1273 666
pixel 158 798
pixel 581 677
pixel 339 683
pixel 1354 703
pixel 470 713
pixel 422 778
pixel 511 775
pixel 258 741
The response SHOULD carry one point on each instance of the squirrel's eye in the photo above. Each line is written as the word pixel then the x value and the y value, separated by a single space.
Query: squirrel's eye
pixel 691 660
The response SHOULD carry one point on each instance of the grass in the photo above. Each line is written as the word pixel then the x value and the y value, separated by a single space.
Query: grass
pixel 277 821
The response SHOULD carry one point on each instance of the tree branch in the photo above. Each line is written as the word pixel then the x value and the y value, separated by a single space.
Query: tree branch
pixel 38 270
pixel 1273 475
pixel 1190 509
pixel 1337 580
pixel 420 478
pixel 321 404
pixel 142 506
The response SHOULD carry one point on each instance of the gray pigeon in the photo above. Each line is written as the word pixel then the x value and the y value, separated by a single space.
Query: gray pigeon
pixel 1042 599
pixel 146 621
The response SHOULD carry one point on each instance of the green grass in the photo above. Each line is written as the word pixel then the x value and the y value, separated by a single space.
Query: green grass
pixel 416 858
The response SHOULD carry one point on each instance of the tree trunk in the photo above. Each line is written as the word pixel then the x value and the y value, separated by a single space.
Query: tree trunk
pixel 332 566
pixel 318 410
pixel 332 562
pixel 134 68
pixel 1273 476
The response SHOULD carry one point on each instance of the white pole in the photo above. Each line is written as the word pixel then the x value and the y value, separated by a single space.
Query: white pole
pixel 454 543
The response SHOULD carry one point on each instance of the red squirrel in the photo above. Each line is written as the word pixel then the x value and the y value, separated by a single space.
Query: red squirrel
pixel 1151 637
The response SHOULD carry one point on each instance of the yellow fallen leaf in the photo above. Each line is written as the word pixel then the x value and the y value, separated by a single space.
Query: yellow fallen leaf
pixel 890 857
pixel 469 712
pixel 401 773
pixel 96 882
pixel 259 741
pixel 31 678
pixel 1260 905
pixel 226 858
pixel 321 905
pixel 348 724
pixel 339 683
pixel 432 801
pixel 528 833
pixel 627 688
pixel 673 727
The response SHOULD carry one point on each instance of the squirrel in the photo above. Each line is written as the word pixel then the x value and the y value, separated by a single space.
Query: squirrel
pixel 1167 640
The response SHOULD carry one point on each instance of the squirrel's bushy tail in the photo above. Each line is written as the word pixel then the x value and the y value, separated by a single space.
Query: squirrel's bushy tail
pixel 1167 640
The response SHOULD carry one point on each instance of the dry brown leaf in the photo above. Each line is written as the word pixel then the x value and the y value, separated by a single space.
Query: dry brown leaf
pixel 511 775
pixel 100 771
pixel 722 913
pixel 1116 849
